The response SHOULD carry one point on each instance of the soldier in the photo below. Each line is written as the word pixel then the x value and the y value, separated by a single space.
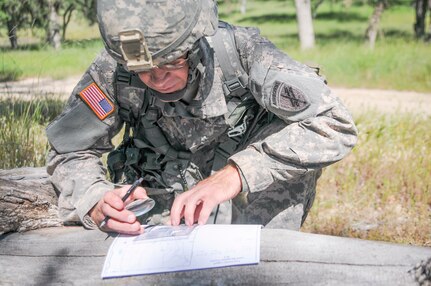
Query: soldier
pixel 216 120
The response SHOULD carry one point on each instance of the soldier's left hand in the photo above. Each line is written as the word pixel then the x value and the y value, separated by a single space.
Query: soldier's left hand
pixel 197 204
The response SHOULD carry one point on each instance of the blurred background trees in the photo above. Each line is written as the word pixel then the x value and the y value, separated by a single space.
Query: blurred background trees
pixel 53 16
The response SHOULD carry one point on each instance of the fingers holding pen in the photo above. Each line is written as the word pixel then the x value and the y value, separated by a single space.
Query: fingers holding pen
pixel 112 206
pixel 118 215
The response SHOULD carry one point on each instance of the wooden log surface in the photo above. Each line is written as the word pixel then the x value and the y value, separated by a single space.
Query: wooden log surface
pixel 27 200
pixel 74 256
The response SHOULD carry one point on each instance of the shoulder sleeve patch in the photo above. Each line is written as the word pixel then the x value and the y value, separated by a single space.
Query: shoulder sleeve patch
pixel 97 100
pixel 287 97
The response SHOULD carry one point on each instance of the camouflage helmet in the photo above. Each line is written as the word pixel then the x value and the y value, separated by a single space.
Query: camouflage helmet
pixel 142 34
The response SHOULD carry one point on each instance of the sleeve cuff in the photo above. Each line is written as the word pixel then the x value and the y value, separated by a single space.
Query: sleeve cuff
pixel 89 200
pixel 254 176
pixel 244 183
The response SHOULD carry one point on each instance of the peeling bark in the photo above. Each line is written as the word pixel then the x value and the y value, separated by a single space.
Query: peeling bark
pixel 27 200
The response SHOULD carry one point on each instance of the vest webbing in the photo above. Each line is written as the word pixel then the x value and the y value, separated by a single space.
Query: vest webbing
pixel 148 152
pixel 127 158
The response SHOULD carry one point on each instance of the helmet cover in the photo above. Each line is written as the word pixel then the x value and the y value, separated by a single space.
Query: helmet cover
pixel 141 34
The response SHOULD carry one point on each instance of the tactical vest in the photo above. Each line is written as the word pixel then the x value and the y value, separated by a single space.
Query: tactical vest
pixel 148 154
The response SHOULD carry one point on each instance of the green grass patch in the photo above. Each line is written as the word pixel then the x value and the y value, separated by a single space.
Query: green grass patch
pixel 382 190
pixel 23 139
pixel 386 67
pixel 42 61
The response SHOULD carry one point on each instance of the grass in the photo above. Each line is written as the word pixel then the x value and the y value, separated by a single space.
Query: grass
pixel 382 190
pixel 41 61
pixel 23 139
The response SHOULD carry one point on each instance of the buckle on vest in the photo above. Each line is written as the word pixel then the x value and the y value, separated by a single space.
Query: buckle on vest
pixel 240 129
pixel 233 86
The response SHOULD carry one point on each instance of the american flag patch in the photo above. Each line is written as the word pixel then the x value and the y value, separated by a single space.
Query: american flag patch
pixel 97 101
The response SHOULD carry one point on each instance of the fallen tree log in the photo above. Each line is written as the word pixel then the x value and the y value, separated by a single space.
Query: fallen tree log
pixel 27 200
pixel 75 256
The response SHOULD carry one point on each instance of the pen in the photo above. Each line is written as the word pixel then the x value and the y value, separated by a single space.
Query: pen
pixel 124 198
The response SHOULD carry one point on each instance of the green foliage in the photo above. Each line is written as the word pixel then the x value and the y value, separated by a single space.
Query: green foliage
pixel 16 13
pixel 23 124
pixel 24 14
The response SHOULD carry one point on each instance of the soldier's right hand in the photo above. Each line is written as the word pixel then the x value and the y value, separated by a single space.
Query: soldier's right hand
pixel 122 220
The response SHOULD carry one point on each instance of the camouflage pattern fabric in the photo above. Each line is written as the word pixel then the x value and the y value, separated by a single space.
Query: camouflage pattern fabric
pixel 279 166
pixel 169 28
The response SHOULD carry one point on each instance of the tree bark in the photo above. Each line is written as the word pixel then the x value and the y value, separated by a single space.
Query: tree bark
pixel 11 33
pixel 27 200
pixel 305 23
pixel 315 7
pixel 243 8
pixel 428 35
pixel 67 15
pixel 421 7
pixel 54 36
pixel 373 26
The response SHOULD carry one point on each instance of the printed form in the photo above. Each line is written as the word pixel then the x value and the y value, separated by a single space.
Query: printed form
pixel 175 248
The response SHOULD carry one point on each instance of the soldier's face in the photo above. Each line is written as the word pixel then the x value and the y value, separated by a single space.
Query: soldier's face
pixel 167 79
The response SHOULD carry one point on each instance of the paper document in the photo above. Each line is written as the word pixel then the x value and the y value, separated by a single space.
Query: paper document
pixel 168 248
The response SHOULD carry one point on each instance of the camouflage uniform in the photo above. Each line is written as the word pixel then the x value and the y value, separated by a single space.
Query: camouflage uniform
pixel 279 165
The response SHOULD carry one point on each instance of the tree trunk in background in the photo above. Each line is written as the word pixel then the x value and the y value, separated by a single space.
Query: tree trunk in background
pixel 27 200
pixel 315 7
pixel 54 36
pixel 243 8
pixel 67 15
pixel 305 24
pixel 373 26
pixel 421 7
pixel 11 33
pixel 428 36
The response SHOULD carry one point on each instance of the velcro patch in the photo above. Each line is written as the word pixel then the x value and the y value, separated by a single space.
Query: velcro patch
pixel 97 101
pixel 287 97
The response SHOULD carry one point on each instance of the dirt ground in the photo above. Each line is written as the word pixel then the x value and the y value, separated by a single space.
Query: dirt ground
pixel 357 100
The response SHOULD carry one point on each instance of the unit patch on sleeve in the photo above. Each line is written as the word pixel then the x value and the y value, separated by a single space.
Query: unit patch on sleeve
pixel 97 101
pixel 287 97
